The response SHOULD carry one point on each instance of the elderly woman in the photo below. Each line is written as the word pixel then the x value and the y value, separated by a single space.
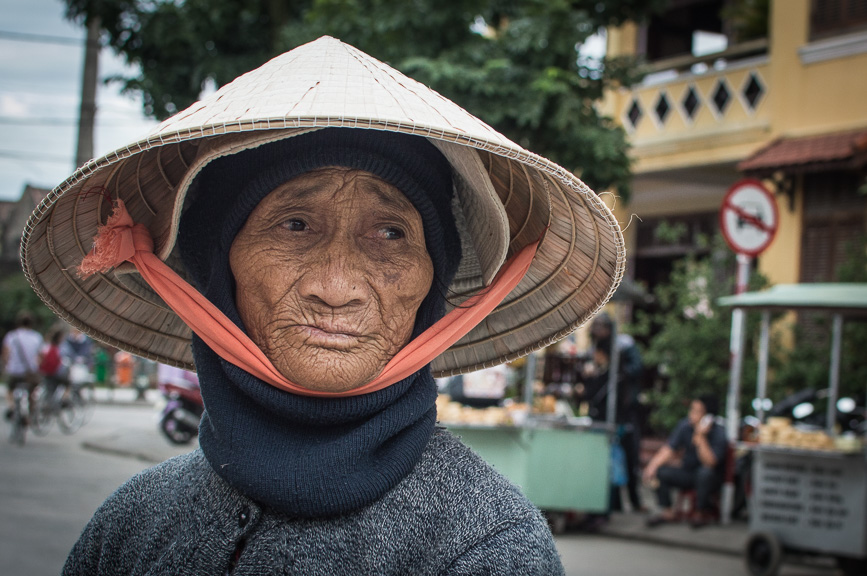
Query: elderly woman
pixel 346 230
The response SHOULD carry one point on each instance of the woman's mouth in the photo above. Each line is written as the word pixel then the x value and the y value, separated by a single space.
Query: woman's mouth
pixel 329 337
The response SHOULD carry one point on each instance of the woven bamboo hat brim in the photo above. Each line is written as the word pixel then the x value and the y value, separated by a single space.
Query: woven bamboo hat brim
pixel 507 198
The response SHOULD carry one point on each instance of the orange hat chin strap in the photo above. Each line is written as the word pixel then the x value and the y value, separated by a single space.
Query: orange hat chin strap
pixel 121 240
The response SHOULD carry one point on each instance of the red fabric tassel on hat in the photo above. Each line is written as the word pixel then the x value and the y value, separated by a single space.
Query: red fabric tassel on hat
pixel 115 242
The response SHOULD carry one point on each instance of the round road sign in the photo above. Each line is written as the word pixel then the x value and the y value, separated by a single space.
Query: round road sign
pixel 748 217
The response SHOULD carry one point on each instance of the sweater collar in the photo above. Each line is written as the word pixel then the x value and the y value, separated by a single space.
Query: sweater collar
pixel 311 457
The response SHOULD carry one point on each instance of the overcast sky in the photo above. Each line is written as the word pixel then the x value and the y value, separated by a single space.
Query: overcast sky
pixel 40 91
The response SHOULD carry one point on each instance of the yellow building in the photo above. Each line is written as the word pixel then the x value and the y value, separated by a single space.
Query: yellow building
pixel 779 95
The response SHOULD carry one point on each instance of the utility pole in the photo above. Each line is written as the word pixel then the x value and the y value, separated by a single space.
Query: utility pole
pixel 87 111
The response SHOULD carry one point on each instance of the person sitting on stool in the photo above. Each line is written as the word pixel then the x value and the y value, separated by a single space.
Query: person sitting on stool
pixel 703 443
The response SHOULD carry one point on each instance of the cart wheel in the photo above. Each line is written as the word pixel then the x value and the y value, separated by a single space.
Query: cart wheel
pixel 763 554
pixel 852 566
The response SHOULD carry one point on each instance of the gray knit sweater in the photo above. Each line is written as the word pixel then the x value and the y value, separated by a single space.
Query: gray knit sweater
pixel 452 515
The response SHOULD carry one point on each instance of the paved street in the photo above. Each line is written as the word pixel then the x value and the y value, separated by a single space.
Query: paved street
pixel 607 556
pixel 51 487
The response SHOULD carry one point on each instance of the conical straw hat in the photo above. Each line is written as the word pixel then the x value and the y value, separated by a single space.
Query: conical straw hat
pixel 507 198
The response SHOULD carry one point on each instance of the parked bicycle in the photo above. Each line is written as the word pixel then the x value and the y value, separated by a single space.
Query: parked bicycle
pixel 60 402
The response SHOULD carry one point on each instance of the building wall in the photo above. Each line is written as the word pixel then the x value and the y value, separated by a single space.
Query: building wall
pixel 686 165
pixel 780 262
pixel 13 217
pixel 819 97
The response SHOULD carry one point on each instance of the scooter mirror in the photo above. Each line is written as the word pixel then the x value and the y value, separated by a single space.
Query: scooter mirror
pixel 846 405
pixel 803 410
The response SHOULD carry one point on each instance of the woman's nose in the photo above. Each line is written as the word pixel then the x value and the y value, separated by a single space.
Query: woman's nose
pixel 335 275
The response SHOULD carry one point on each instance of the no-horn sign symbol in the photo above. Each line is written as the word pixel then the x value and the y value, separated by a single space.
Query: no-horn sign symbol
pixel 748 217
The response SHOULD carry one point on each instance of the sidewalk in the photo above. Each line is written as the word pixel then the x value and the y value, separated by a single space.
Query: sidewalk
pixel 126 397
pixel 142 442
pixel 729 539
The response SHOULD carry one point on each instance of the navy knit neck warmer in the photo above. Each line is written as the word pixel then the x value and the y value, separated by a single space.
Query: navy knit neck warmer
pixel 303 456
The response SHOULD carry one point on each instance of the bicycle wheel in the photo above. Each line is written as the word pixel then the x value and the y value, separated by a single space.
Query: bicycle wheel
pixel 87 396
pixel 42 414
pixel 18 425
pixel 72 412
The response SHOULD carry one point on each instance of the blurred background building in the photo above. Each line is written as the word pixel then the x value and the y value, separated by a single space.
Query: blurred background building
pixel 772 89
pixel 13 216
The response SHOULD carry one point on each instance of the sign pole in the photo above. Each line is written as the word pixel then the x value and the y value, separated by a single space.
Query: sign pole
pixel 736 350
pixel 748 220
pixel 613 370
pixel 762 376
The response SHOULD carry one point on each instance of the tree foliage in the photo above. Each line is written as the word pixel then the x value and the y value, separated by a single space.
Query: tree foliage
pixel 16 296
pixel 513 63
pixel 748 19
pixel 691 337
pixel 808 363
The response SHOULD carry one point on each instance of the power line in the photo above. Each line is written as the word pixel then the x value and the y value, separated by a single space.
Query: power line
pixel 40 38
pixel 32 156
pixel 73 99
pixel 9 121
pixel 37 121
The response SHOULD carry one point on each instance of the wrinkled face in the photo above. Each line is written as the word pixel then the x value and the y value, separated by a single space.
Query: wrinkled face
pixel 330 269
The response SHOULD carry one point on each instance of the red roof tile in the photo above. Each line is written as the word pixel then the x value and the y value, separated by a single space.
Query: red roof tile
pixel 839 150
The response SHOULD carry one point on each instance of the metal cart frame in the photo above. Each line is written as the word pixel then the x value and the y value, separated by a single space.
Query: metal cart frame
pixel 805 501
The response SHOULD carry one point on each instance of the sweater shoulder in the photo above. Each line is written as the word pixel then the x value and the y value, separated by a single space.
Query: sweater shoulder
pixel 449 462
pixel 165 487
pixel 148 519
pixel 465 490
pixel 165 481
pixel 478 514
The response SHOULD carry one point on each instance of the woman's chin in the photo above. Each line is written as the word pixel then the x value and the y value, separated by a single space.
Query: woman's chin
pixel 324 376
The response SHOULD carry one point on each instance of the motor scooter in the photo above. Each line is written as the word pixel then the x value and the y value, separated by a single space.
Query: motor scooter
pixel 180 417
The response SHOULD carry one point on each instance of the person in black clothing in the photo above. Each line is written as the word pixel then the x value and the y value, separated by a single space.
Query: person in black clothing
pixel 630 368
pixel 626 415
pixel 630 364
pixel 703 444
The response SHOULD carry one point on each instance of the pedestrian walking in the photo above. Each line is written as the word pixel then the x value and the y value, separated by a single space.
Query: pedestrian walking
pixel 20 357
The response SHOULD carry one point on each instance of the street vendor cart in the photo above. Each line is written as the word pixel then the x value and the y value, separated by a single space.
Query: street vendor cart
pixel 560 466
pixel 809 497
pixel 561 463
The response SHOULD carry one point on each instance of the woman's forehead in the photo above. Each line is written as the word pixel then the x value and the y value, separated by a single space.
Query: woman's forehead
pixel 335 182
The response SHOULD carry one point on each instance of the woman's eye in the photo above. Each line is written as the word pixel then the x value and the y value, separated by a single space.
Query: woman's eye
pixel 392 233
pixel 295 225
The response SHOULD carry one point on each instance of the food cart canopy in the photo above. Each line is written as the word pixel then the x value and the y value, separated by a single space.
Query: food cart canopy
pixel 847 298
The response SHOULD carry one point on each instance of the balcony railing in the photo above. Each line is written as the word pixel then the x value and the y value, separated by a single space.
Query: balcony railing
pixel 689 63
pixel 690 103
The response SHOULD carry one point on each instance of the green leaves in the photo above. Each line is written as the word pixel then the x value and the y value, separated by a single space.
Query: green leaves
pixel 690 337
pixel 17 295
pixel 514 64
pixel 690 347
pixel 807 364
